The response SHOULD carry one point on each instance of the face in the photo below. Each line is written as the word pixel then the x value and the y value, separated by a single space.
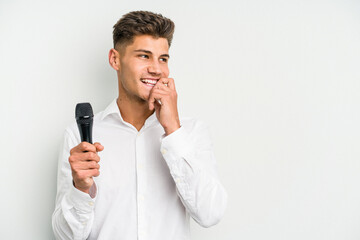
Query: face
pixel 142 64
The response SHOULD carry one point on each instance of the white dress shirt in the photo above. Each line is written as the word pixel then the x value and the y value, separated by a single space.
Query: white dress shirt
pixel 149 184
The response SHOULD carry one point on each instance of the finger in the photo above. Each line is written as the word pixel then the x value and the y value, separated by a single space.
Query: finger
pixel 157 106
pixel 86 165
pixel 161 91
pixel 90 156
pixel 83 147
pixel 95 172
pixel 88 173
pixel 157 94
pixel 98 146
pixel 161 85
pixel 171 83
pixel 165 82
pixel 84 156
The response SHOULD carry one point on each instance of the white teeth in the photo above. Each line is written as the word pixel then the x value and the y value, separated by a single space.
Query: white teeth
pixel 149 81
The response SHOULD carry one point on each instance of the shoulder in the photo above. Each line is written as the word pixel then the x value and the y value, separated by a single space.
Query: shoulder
pixel 71 132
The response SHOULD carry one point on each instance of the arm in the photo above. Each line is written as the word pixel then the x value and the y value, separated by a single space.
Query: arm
pixel 74 210
pixel 188 153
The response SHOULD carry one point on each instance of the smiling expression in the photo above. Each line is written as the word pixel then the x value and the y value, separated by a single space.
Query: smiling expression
pixel 142 64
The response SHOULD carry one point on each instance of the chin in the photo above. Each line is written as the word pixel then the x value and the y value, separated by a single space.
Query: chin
pixel 145 97
pixel 145 94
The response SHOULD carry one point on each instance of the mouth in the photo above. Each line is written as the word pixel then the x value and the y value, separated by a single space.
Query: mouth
pixel 149 81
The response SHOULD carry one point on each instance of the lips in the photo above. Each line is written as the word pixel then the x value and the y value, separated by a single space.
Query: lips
pixel 149 82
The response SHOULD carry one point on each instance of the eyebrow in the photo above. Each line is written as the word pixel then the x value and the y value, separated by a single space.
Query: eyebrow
pixel 149 52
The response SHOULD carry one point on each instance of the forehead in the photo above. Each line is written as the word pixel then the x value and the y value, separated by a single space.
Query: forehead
pixel 157 46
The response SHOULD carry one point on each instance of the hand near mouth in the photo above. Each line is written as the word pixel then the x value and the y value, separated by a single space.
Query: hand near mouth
pixel 166 112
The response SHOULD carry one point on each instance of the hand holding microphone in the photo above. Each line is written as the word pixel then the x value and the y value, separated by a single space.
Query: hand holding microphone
pixel 84 160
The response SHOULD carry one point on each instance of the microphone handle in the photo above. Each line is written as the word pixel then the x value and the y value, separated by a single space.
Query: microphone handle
pixel 85 130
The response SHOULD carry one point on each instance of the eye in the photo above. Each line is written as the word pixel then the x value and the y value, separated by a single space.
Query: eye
pixel 163 59
pixel 143 56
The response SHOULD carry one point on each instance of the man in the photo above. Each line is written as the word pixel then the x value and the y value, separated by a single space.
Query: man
pixel 156 170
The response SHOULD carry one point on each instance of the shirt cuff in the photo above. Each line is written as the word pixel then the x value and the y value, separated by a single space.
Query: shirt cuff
pixel 175 149
pixel 175 143
pixel 80 200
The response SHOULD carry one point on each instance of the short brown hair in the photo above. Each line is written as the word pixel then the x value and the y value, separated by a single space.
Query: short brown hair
pixel 142 23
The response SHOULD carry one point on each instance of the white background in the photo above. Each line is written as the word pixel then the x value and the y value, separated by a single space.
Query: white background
pixel 277 81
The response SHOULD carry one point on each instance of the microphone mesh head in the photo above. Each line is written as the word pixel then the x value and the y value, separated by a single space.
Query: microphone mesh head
pixel 84 112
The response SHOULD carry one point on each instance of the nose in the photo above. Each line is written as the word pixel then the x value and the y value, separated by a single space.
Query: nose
pixel 154 68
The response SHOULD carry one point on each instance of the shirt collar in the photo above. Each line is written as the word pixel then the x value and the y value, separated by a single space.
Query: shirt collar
pixel 111 109
pixel 150 120
pixel 114 109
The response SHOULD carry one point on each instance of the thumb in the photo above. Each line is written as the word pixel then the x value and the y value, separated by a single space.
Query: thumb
pixel 98 146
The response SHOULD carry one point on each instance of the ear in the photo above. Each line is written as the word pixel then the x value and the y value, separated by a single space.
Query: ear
pixel 114 59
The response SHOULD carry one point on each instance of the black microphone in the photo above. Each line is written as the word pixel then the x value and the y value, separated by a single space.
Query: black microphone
pixel 84 118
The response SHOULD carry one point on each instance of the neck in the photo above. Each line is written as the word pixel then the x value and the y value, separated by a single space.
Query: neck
pixel 134 112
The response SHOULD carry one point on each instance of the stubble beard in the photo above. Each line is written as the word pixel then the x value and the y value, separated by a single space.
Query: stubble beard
pixel 133 96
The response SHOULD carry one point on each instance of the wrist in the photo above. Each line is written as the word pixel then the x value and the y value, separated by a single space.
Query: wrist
pixel 85 190
pixel 173 128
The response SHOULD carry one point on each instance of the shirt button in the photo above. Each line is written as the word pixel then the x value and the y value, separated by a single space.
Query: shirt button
pixel 83 223
pixel 91 203
pixel 163 151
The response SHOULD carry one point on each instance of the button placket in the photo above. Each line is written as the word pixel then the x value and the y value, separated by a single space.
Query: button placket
pixel 141 186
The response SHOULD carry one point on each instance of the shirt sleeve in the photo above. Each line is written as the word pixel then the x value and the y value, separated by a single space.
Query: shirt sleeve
pixel 74 210
pixel 189 154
